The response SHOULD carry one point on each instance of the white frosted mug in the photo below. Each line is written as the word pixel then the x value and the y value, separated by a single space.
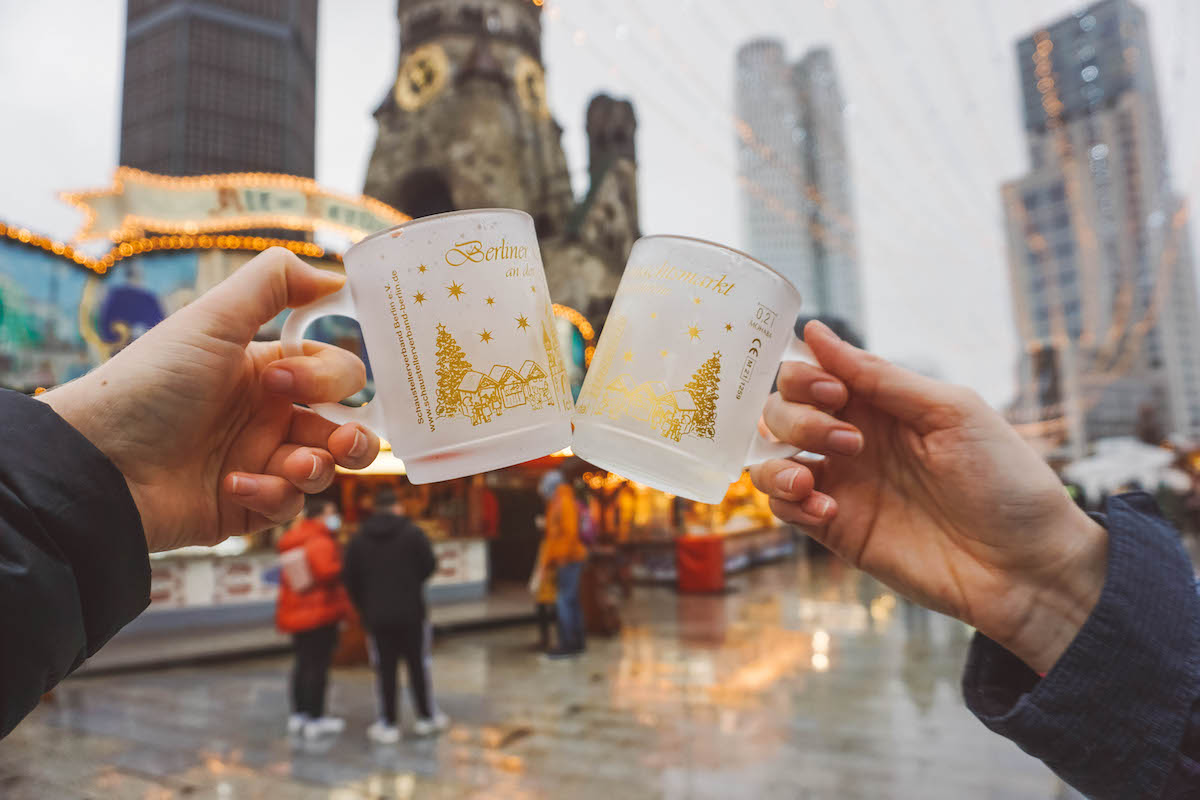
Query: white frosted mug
pixel 459 330
pixel 683 368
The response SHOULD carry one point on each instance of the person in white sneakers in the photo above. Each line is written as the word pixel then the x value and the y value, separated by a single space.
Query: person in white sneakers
pixel 311 604
pixel 387 565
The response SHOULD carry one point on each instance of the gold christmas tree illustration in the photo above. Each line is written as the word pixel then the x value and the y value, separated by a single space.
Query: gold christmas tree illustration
pixel 703 389
pixel 452 365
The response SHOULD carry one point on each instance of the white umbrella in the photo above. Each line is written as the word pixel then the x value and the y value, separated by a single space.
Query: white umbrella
pixel 1118 462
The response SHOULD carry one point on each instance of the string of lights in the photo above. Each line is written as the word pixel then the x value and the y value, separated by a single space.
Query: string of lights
pixel 134 225
pixel 149 244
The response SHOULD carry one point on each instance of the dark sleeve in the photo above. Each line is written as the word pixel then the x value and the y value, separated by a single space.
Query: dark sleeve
pixel 1119 714
pixel 73 563
pixel 352 571
pixel 426 560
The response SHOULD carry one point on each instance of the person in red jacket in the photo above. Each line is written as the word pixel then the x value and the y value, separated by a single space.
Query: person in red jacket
pixel 312 601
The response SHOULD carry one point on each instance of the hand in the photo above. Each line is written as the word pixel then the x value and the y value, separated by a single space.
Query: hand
pixel 200 420
pixel 930 490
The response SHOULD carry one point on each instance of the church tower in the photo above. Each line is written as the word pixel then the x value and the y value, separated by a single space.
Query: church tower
pixel 466 124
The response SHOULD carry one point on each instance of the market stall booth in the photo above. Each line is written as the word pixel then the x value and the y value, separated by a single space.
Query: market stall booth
pixel 693 546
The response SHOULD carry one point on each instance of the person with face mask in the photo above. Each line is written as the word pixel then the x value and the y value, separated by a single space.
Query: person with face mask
pixel 312 602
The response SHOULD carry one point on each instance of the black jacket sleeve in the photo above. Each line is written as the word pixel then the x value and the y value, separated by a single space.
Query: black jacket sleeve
pixel 73 562
pixel 352 577
pixel 425 559
pixel 1119 714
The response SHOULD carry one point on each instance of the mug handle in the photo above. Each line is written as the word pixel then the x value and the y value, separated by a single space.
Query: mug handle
pixel 292 339
pixel 761 448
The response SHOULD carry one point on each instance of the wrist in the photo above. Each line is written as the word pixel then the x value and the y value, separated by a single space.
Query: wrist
pixel 1063 591
pixel 81 405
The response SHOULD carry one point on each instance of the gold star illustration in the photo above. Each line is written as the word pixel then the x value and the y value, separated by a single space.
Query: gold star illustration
pixel 629 355
pixel 693 332
pixel 728 327
pixel 663 353
pixel 696 300
pixel 522 322
pixel 491 301
pixel 419 298
pixel 422 268
pixel 486 336
pixel 653 315
pixel 533 289
pixel 455 290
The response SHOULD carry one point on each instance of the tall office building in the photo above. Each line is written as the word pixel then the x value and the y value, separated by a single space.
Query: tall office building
pixel 220 86
pixel 796 198
pixel 1103 290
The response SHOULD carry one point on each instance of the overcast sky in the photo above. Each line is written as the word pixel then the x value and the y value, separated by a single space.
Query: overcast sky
pixel 932 106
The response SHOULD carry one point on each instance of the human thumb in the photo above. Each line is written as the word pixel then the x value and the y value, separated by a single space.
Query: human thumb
pixel 273 280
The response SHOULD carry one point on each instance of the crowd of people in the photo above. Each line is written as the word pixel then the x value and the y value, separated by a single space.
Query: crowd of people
pixel 381 577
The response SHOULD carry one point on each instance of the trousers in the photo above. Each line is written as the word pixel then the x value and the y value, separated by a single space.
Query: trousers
pixel 388 647
pixel 310 672
pixel 570 609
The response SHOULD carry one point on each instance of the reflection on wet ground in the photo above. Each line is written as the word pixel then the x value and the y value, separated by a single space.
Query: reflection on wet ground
pixel 808 681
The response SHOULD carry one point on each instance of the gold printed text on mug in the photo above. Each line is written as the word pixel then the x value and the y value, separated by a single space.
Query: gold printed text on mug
pixel 402 327
pixel 666 272
pixel 465 392
pixel 475 252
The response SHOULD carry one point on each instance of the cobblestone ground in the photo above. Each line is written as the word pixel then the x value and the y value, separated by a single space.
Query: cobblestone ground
pixel 807 680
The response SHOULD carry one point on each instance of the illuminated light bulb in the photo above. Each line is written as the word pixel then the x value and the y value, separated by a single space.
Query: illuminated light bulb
pixel 820 641
pixel 820 662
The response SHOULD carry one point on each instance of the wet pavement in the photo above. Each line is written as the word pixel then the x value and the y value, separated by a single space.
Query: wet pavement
pixel 808 680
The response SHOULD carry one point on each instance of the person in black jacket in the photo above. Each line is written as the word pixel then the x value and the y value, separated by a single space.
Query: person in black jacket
pixel 386 567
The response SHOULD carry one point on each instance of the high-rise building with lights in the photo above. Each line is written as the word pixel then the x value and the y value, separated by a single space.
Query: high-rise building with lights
pixel 220 86
pixel 1100 263
pixel 794 175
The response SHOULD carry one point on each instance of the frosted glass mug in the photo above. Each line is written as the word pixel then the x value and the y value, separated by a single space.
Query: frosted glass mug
pixel 683 368
pixel 459 329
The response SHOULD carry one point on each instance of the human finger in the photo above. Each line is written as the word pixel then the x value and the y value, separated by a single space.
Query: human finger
pixel 921 402
pixel 273 280
pixel 810 429
pixel 324 374
pixel 784 479
pixel 812 512
pixel 271 496
pixel 800 382
pixel 351 445
pixel 309 469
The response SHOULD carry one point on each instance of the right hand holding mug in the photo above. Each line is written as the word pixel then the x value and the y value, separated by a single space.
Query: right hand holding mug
pixel 945 502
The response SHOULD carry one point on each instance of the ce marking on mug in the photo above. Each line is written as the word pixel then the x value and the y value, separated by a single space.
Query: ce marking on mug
pixel 748 365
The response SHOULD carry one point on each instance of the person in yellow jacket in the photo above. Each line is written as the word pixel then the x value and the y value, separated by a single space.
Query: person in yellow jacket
pixel 563 551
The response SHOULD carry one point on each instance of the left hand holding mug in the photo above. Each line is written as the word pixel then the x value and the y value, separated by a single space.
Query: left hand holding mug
pixel 201 420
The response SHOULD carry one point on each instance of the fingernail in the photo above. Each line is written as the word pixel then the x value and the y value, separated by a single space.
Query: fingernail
pixel 787 479
pixel 243 485
pixel 359 447
pixel 815 505
pixel 846 443
pixel 316 468
pixel 823 328
pixel 827 393
pixel 278 380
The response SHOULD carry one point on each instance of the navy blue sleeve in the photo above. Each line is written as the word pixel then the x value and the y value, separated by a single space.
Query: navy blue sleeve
pixel 1117 716
pixel 73 561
